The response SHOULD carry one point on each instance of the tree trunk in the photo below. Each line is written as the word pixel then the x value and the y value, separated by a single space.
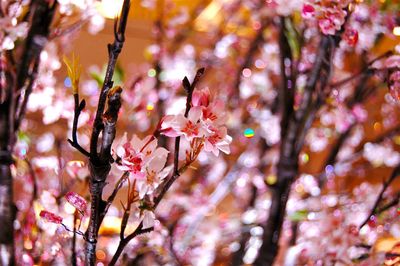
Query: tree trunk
pixel 7 212
pixel 287 171
pixel 7 208
pixel 98 174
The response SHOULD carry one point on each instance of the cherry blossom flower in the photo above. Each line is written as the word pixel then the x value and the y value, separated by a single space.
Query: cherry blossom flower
pixel 360 114
pixel 217 141
pixel 308 11
pixel 155 173
pixel 381 154
pixel 392 61
pixel 205 120
pixel 138 156
pixel 332 20
pixel 214 113
pixel 179 125
pixel 351 37
pixel 330 16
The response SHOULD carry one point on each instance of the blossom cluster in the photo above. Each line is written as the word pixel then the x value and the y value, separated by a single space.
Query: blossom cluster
pixel 213 231
pixel 330 16
pixel 205 120
pixel 146 162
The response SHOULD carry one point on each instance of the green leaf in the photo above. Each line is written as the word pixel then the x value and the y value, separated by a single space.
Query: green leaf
pixel 118 76
pixel 23 137
pixel 293 38
pixel 97 77
pixel 298 216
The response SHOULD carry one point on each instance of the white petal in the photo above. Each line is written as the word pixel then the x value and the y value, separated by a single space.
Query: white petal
pixel 119 147
pixel 136 143
pixel 195 114
pixel 148 219
pixel 149 149
pixel 157 163
pixel 224 147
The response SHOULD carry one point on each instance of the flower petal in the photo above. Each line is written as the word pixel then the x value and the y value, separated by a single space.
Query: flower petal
pixel 148 219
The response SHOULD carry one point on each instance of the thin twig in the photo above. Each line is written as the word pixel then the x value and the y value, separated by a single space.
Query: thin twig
pixel 111 198
pixel 389 205
pixel 386 184
pixel 365 70
pixel 73 246
pixel 79 106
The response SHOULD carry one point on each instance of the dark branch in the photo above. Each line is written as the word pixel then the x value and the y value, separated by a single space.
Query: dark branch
pixel 35 42
pixel 114 50
pixel 79 106
pixel 105 122
pixel 386 184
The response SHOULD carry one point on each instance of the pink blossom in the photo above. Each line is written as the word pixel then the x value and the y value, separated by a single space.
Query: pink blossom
pixel 179 125
pixel 359 113
pixel 205 120
pixel 331 20
pixel 394 85
pixel 351 37
pixel 214 113
pixel 51 217
pixel 217 141
pixel 155 173
pixel 77 201
pixel 327 26
pixel 308 11
pixel 137 155
pixel 201 97
pixel 392 62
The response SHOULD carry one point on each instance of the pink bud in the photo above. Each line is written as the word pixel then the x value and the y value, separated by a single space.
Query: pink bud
pixel 308 11
pixel 77 201
pixel 51 217
pixel 351 37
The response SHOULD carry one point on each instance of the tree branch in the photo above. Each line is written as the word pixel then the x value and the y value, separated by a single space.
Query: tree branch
pixel 291 142
pixel 105 122
pixel 114 50
pixel 167 183
pixel 28 67
pixel 386 184
pixel 79 106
